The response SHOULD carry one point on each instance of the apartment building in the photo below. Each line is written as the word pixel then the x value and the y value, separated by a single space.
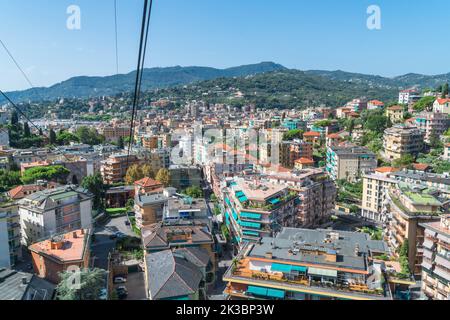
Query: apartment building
pixel 408 96
pixel 350 163
pixel 291 151
pixel 312 137
pixel 395 114
pixel 439 183
pixel 256 208
pixel 407 208
pixel 114 133
pixel 161 236
pixel 432 124
pixel 402 140
pixel 436 259
pixel 301 264
pixel 442 106
pixel 316 195
pixel 186 209
pixel 148 186
pixel 375 104
pixel 375 186
pixel 60 253
pixel 114 169
pixel 55 211
pixel 10 246
pixel 183 177
pixel 149 208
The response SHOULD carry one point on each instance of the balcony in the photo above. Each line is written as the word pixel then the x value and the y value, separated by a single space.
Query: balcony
pixel 297 281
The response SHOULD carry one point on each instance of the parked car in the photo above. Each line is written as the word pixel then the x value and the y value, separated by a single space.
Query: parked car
pixel 120 280
pixel 127 223
pixel 122 293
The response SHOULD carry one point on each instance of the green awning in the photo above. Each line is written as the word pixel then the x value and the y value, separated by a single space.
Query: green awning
pixel 249 215
pixel 259 291
pixel 323 272
pixel 240 194
pixel 250 225
pixel 280 294
pixel 299 268
pixel 251 233
pixel 277 267
pixel 228 201
pixel 274 201
pixel 243 199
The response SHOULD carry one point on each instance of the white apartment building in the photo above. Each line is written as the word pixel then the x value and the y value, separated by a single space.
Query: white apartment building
pixel 55 211
pixel 442 106
pixel 408 96
pixel 375 186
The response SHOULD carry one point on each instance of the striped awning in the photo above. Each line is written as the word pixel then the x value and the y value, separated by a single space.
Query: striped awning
pixel 322 272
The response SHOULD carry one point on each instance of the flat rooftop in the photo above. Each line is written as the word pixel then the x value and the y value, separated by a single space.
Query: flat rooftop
pixel 258 190
pixel 64 248
pixel 304 242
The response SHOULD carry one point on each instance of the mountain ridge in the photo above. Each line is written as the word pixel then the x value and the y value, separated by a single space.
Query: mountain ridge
pixel 167 77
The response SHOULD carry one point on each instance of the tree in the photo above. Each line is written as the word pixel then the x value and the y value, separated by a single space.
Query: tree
pixel 376 123
pixel 435 141
pixel 425 103
pixel 14 118
pixel 194 192
pixel 293 134
pixel 134 173
pixel 89 136
pixel 65 138
pixel 96 186
pixel 445 91
pixel 51 173
pixel 26 130
pixel 52 137
pixel 404 161
pixel 163 176
pixel 121 143
pixel 147 171
pixel 91 285
pixel 9 180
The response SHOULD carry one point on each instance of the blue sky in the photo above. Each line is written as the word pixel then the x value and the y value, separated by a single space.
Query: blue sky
pixel 302 34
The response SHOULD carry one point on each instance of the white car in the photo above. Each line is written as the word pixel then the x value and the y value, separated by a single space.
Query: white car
pixel 120 280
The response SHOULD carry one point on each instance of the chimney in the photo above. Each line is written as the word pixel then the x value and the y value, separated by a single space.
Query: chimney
pixel 269 255
pixel 24 281
pixel 75 235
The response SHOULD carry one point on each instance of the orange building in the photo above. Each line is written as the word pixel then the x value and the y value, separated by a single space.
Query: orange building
pixel 311 137
pixel 56 255
pixel 148 186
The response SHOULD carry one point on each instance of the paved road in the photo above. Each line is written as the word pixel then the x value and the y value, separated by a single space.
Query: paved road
pixel 118 225
pixel 103 245
pixel 135 285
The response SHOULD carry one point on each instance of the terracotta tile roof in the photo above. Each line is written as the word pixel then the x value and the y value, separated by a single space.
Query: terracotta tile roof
pixel 22 191
pixel 334 136
pixel 443 101
pixel 377 102
pixel 311 134
pixel 148 182
pixel 395 108
pixel 387 169
pixel 305 161
pixel 421 166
